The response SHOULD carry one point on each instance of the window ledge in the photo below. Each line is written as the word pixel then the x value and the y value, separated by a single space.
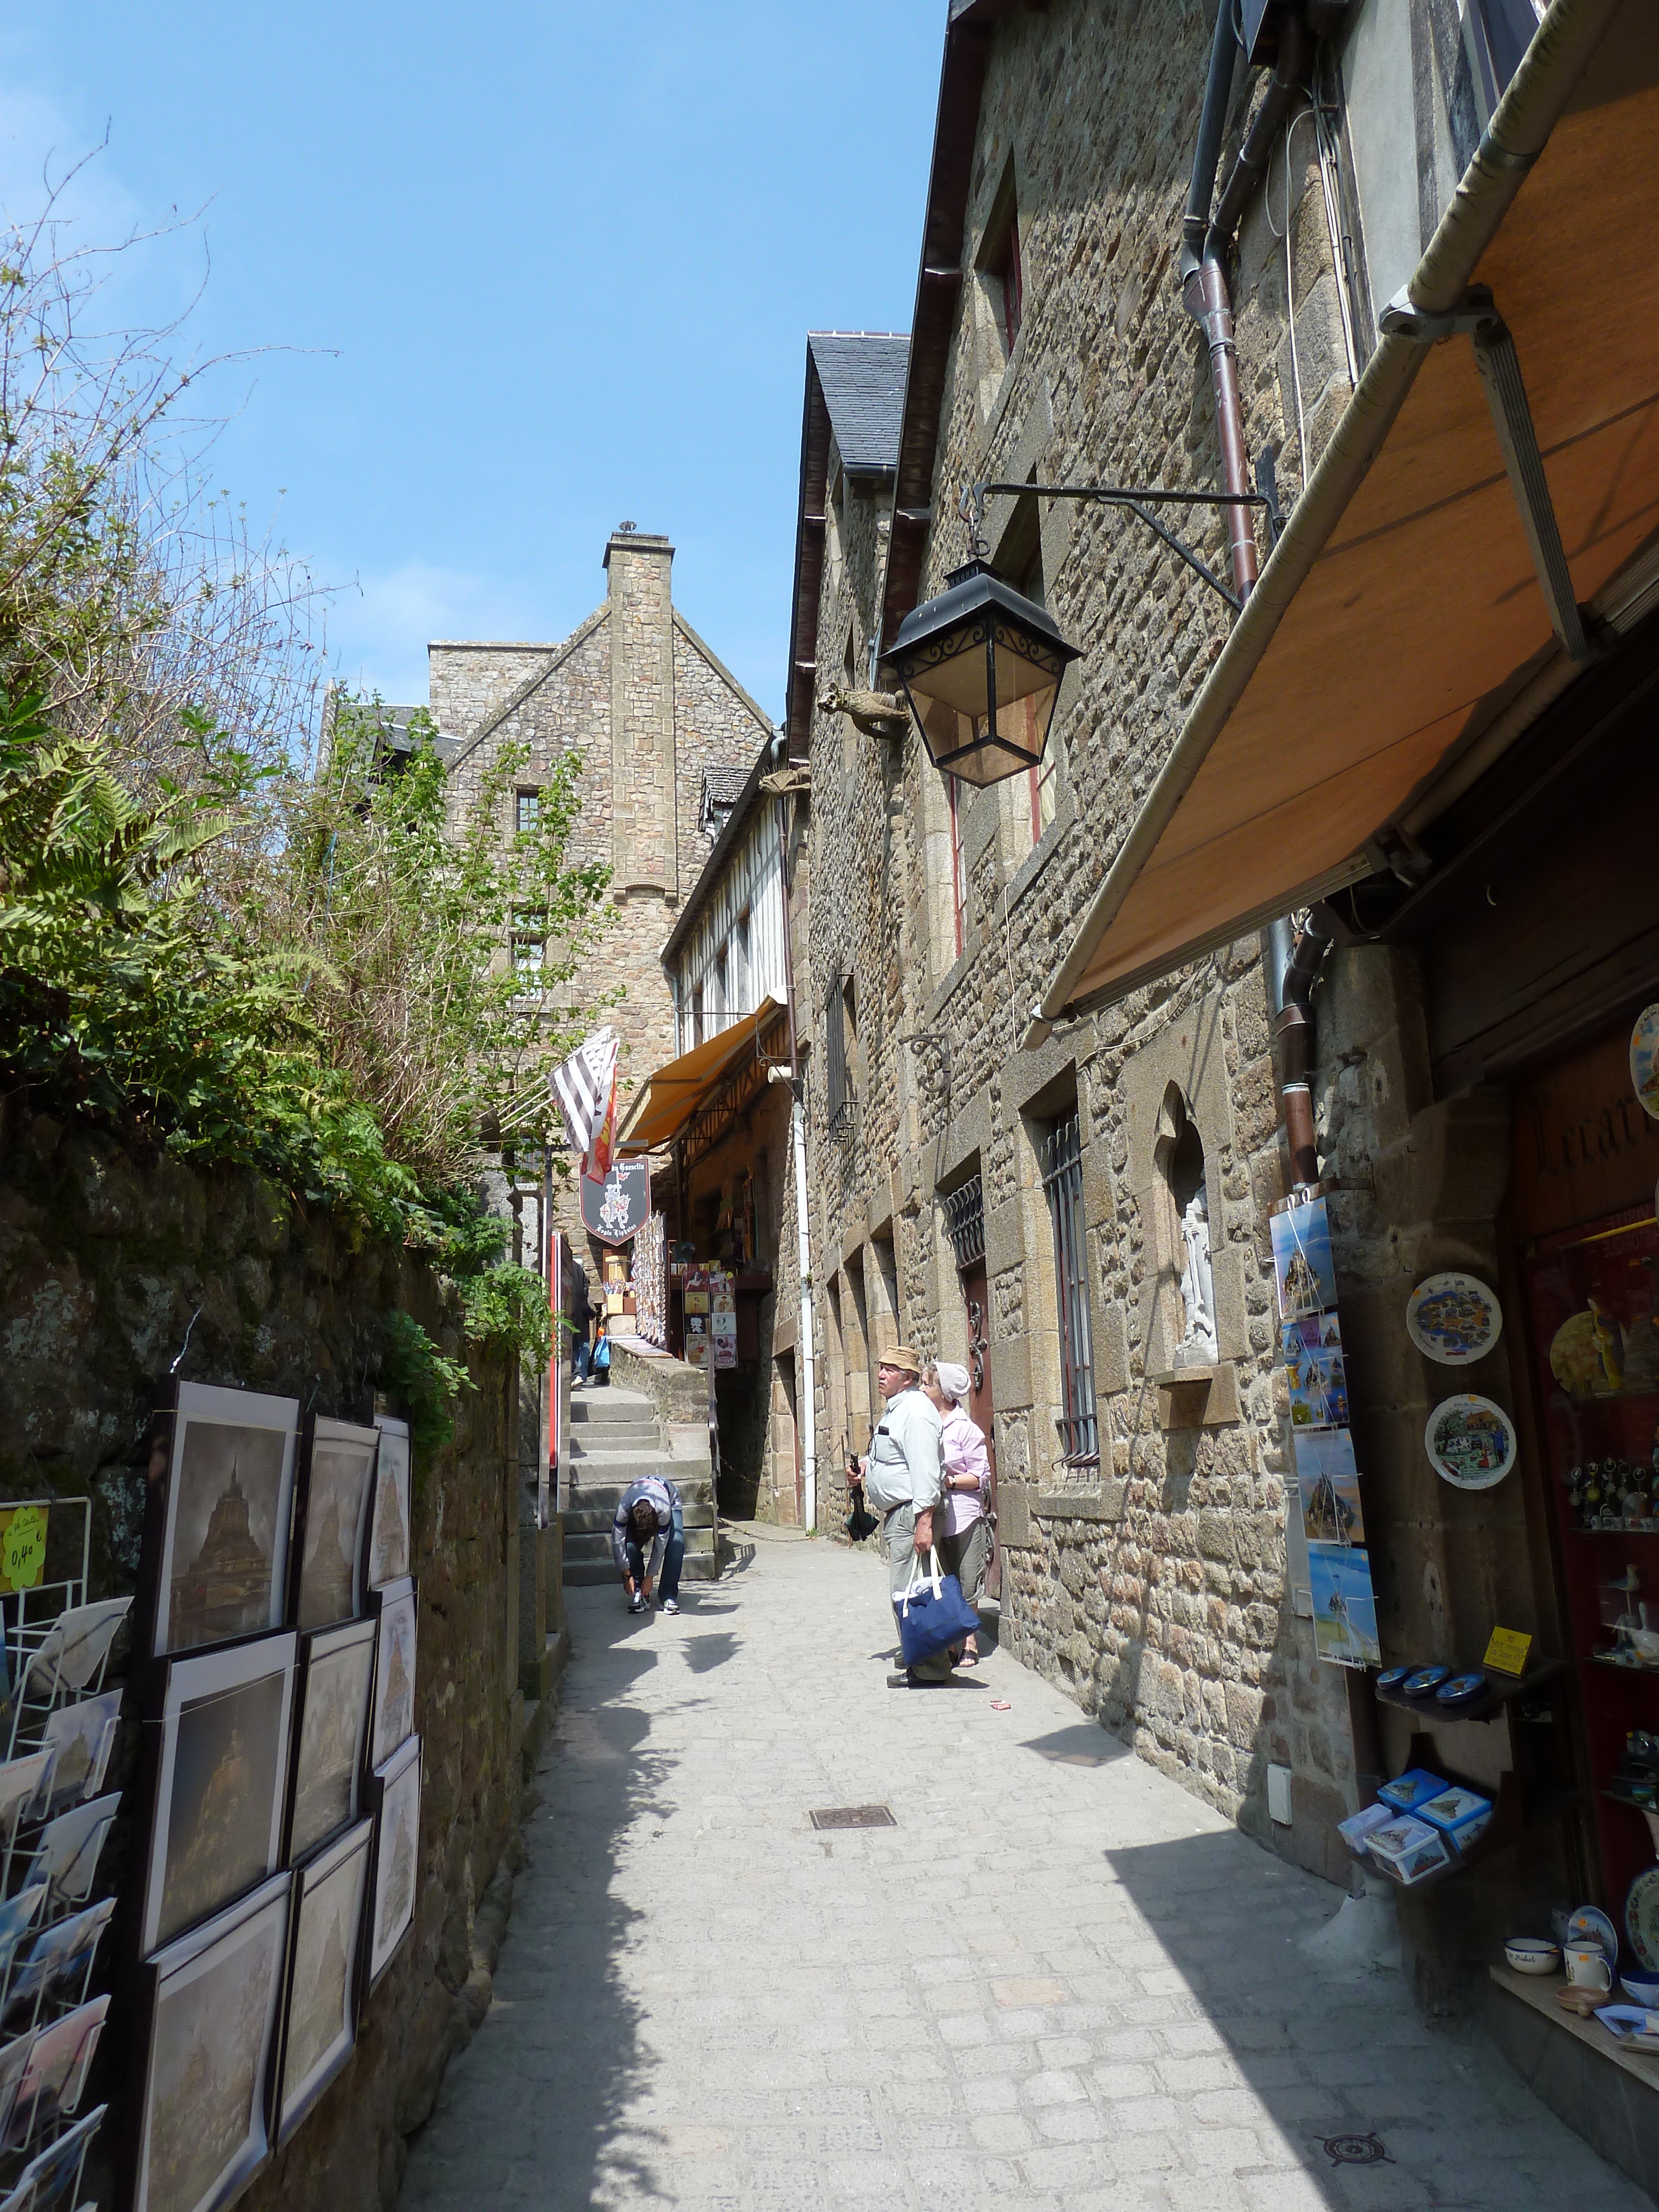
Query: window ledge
pixel 1042 852
pixel 1105 1504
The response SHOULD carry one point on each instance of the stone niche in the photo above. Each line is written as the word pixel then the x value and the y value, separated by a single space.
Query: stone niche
pixel 1179 1100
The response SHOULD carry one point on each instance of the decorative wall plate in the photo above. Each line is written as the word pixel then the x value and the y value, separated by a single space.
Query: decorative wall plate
pixel 1644 1059
pixel 1454 1320
pixel 1470 1441
pixel 1589 1924
pixel 1642 1916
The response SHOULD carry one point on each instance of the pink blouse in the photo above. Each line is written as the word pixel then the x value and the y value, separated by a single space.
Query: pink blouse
pixel 963 1442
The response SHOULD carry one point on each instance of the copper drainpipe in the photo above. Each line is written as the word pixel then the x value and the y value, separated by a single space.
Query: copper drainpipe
pixel 1207 241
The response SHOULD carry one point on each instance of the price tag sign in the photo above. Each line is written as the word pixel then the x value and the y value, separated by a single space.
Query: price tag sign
pixel 1507 1651
pixel 22 1547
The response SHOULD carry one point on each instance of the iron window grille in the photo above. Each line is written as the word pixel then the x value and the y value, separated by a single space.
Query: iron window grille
pixel 838 1076
pixel 1063 1182
pixel 964 1222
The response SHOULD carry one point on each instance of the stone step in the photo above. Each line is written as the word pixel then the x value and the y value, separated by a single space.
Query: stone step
pixel 581 1519
pixel 601 1407
pixel 609 1453
pixel 617 1436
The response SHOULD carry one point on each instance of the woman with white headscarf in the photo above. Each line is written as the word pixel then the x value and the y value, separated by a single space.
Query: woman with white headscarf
pixel 965 1544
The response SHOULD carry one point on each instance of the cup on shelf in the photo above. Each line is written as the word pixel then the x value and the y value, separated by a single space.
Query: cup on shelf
pixel 1588 1967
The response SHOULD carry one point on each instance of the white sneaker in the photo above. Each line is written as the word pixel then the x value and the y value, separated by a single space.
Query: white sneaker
pixel 671 1604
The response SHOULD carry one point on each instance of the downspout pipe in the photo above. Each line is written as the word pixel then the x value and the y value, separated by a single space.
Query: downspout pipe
pixel 1294 1030
pixel 1206 242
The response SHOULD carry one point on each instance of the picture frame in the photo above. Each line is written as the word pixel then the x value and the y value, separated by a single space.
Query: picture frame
pixel 206 2014
pixel 59 2058
pixel 393 1712
pixel 395 1800
pixel 390 1548
pixel 81 1737
pixel 218 1511
pixel 333 1497
pixel 331 1737
pixel 319 2005
pixel 219 1762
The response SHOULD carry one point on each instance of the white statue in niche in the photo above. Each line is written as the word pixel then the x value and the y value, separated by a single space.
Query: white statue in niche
pixel 1199 1347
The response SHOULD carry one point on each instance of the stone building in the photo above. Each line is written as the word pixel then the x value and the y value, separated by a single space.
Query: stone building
pixel 661 725
pixel 1327 889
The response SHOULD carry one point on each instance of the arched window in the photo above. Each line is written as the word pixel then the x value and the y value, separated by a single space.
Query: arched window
pixel 1181 1158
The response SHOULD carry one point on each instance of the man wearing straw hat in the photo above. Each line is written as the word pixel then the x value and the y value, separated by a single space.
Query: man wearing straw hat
pixel 903 1478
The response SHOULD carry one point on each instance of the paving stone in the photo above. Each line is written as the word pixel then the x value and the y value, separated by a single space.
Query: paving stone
pixel 762 2018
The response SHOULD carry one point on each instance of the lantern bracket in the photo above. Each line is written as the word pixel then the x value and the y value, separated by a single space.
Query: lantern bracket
pixel 1139 499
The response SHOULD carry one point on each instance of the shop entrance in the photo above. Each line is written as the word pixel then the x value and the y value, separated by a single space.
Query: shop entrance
pixel 1581 1197
pixel 964 1218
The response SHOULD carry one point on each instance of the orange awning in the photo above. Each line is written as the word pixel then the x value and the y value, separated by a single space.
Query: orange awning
pixel 1402 595
pixel 666 1101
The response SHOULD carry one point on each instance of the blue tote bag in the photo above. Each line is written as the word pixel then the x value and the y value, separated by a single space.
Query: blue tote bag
pixel 934 1615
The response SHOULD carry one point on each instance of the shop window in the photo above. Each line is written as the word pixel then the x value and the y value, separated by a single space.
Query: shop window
pixel 529 811
pixel 1062 1184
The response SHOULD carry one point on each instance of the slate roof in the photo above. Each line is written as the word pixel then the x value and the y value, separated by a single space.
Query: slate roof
pixel 723 783
pixel 862 375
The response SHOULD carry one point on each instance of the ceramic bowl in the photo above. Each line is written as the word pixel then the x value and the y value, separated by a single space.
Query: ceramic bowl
pixel 1641 1988
pixel 1646 1641
pixel 1532 1955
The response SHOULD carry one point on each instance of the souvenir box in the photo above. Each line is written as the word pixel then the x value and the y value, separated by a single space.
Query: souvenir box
pixel 1414 1788
pixel 1463 1815
pixel 1409 1850
pixel 1357 1829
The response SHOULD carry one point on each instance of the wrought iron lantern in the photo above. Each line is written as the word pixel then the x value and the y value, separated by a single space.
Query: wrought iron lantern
pixel 982 668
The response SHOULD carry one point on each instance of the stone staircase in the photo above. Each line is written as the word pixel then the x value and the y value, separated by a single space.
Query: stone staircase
pixel 615 1437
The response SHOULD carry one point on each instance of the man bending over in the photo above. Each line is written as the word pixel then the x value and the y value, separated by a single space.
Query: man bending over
pixel 649 1534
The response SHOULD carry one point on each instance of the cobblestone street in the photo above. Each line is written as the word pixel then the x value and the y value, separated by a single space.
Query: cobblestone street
pixel 1058 1980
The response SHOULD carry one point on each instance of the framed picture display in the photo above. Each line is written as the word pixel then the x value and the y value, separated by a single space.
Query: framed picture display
pixel 394 1671
pixel 205 2020
pixel 324 1955
pixel 335 1490
pixel 397 1793
pixel 390 1549
pixel 217 1522
pixel 337 1673
pixel 221 1773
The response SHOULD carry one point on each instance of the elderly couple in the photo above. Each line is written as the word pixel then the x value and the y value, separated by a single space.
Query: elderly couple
pixel 926 1454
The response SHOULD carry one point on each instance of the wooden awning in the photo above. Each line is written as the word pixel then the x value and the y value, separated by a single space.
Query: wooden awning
pixel 666 1101
pixel 1403 598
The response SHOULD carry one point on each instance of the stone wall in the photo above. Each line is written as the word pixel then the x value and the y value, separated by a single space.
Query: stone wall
pixel 1152 1584
pixel 109 1259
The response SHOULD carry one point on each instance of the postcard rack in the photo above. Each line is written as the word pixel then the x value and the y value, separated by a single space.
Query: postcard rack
pixel 54 1819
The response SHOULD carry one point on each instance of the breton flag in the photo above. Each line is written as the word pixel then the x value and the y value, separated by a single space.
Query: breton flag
pixel 585 1087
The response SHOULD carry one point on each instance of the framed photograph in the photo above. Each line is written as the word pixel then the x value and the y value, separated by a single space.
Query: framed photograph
pixel 337 1673
pixel 397 1793
pixel 1328 1483
pixel 216 1527
pixel 56 2074
pixel 1303 1272
pixel 335 1490
pixel 82 1737
pixel 52 2178
pixel 394 1671
pixel 324 1952
pixel 221 1781
pixel 391 1546
pixel 205 2019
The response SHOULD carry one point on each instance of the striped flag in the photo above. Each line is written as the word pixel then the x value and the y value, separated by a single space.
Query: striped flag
pixel 585 1087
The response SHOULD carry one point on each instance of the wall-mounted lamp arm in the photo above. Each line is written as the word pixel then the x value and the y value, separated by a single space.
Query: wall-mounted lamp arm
pixel 1138 499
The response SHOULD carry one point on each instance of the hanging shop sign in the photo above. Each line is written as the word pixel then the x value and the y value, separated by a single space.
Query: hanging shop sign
pixel 1470 1441
pixel 617 1209
pixel 1644 1059
pixel 1454 1320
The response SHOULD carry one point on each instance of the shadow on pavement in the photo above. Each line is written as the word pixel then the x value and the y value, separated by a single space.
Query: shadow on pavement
pixel 714 1649
pixel 1086 1745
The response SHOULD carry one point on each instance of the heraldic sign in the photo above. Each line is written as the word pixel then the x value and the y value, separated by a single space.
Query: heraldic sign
pixel 615 1209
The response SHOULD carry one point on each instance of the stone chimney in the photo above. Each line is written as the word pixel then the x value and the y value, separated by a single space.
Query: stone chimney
pixel 645 854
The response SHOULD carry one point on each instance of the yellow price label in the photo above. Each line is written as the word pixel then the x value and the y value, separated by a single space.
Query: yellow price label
pixel 22 1547
pixel 1508 1650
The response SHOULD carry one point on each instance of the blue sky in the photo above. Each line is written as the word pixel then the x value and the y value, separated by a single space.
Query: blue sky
pixel 539 267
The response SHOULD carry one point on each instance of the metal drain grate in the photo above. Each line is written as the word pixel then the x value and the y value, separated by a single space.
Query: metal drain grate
pixel 1355 2150
pixel 853 1816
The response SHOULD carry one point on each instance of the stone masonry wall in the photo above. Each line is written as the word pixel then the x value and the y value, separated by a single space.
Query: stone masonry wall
pixel 1152 1585
pixel 106 1255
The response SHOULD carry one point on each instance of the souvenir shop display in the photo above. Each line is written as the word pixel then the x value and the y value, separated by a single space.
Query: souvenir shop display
pixel 1328 1484
pixel 1642 1916
pixel 1644 1060
pixel 221 1781
pixel 60 1959
pixel 80 1739
pixel 320 2012
pixel 1454 1319
pixel 396 1790
pixel 1345 1605
pixel 206 2018
pixel 216 1550
pixel 1409 1790
pixel 1409 1850
pixel 389 1555
pixel 1356 1830
pixel 51 2178
pixel 331 1522
pixel 68 1850
pixel 1462 1816
pixel 55 2073
pixel 1470 1441
pixel 393 1716
pixel 337 1673
pixel 1315 1375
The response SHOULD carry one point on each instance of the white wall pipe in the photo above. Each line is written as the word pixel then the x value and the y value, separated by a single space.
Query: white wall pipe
pixel 807 1396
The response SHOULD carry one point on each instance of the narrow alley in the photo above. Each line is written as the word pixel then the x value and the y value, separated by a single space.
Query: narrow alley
pixel 1057 1979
